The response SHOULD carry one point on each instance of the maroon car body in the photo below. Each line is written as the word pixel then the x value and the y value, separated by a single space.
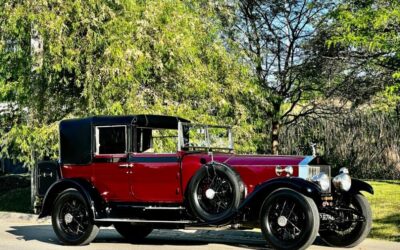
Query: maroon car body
pixel 164 178
pixel 106 176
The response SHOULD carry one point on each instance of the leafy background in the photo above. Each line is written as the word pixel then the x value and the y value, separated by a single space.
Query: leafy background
pixel 218 62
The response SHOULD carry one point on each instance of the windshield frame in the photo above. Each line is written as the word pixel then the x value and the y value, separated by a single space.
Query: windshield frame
pixel 182 137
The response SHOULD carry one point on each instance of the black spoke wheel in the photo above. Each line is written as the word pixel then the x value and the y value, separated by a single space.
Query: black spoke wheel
pixel 352 225
pixel 214 192
pixel 133 232
pixel 289 220
pixel 71 219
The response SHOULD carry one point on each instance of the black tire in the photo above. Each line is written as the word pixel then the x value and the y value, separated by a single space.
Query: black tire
pixel 71 219
pixel 226 185
pixel 351 234
pixel 132 232
pixel 289 220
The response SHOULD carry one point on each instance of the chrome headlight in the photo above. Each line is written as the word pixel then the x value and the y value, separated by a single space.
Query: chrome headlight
pixel 342 181
pixel 322 180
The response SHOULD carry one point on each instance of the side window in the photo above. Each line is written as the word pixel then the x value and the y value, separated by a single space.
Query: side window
pixel 157 140
pixel 111 140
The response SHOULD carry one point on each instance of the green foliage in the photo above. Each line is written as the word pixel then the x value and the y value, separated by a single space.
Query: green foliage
pixel 276 40
pixel 373 25
pixel 372 28
pixel 114 57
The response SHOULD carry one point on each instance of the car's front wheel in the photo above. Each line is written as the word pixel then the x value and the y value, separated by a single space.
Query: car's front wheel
pixel 71 219
pixel 353 225
pixel 133 232
pixel 289 220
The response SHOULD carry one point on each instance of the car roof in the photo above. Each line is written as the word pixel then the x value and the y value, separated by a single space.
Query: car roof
pixel 153 121
pixel 76 135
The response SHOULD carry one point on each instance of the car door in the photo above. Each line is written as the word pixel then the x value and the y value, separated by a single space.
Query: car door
pixel 111 169
pixel 156 177
pixel 156 172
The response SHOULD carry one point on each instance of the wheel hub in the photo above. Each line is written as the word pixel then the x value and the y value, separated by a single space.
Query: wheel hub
pixel 68 218
pixel 282 221
pixel 210 193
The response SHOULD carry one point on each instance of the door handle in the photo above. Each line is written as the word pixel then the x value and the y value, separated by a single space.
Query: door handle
pixel 127 165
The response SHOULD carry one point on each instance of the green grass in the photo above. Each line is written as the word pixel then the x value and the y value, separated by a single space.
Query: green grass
pixel 385 205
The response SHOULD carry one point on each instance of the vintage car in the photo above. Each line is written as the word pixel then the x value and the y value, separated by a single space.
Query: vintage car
pixel 145 172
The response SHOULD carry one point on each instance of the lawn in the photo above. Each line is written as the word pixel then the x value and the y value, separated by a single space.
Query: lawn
pixel 385 204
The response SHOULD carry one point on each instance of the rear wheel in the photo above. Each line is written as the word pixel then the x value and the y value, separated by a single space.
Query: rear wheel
pixel 289 220
pixel 71 219
pixel 353 225
pixel 132 232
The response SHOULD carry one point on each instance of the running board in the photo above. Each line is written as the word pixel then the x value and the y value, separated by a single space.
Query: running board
pixel 145 221
pixel 154 207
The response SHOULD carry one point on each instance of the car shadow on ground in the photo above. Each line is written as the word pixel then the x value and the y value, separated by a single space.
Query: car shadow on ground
pixel 243 239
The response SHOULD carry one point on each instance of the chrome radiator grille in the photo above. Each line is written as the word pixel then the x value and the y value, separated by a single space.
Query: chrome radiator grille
pixel 314 170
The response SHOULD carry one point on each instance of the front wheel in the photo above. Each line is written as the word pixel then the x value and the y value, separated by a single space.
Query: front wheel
pixel 289 220
pixel 353 225
pixel 132 232
pixel 71 219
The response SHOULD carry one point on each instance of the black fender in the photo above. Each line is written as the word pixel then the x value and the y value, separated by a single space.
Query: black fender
pixel 257 197
pixel 91 195
pixel 359 185
pixel 261 192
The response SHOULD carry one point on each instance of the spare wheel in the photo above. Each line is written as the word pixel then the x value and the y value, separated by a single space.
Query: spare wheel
pixel 215 192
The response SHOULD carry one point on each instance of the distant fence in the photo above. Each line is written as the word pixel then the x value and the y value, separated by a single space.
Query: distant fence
pixel 369 144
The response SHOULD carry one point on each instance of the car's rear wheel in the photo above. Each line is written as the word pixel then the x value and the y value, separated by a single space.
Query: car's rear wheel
pixel 214 192
pixel 353 225
pixel 133 232
pixel 289 220
pixel 71 219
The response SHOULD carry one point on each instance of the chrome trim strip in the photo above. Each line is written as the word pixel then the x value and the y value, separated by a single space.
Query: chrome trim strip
pixel 145 221
pixel 303 167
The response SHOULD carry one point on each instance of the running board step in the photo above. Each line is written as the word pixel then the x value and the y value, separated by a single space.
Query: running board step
pixel 154 207
pixel 145 221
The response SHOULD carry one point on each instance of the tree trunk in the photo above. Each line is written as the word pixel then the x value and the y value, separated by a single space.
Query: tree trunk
pixel 275 137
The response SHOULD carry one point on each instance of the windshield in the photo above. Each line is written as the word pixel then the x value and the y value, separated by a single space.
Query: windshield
pixel 200 136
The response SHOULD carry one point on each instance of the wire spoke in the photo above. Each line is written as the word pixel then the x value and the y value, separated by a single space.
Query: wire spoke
pixel 291 226
pixel 223 193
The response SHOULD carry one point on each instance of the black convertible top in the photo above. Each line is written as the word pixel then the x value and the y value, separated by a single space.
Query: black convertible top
pixel 153 121
pixel 76 135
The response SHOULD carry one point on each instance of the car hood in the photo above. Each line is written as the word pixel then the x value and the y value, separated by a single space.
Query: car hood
pixel 266 160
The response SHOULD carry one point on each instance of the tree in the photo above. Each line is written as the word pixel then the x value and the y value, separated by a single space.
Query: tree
pixel 62 59
pixel 371 29
pixel 273 36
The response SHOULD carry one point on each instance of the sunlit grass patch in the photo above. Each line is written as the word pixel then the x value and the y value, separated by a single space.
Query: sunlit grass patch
pixel 385 204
